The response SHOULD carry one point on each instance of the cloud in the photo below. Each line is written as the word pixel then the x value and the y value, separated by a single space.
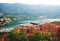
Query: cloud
pixel 48 2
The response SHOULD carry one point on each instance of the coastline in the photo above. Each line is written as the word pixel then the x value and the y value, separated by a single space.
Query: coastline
pixel 16 26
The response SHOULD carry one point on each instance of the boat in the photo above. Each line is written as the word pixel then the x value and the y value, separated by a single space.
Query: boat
pixel 34 23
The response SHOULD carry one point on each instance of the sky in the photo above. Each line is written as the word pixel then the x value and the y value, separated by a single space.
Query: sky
pixel 33 2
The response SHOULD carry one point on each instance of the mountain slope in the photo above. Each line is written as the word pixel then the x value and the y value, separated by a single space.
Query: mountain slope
pixel 36 10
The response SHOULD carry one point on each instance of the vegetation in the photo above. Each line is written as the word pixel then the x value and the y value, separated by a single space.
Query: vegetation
pixel 20 36
pixel 36 35
pixel 17 36
pixel 58 34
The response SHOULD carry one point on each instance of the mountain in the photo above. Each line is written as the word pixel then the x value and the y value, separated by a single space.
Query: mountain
pixel 1 6
pixel 35 10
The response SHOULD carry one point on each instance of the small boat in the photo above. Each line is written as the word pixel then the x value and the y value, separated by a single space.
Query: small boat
pixel 34 23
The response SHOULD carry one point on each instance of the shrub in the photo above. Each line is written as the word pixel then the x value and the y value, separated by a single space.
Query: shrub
pixel 17 36
pixel 23 38
pixel 35 37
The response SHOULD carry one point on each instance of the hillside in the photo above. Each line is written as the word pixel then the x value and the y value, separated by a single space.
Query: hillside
pixel 35 10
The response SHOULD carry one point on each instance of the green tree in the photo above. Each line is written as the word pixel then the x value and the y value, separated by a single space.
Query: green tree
pixel 35 37
pixel 23 38
pixel 17 36
pixel 58 34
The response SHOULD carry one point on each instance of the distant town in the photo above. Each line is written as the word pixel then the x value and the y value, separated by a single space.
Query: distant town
pixel 5 20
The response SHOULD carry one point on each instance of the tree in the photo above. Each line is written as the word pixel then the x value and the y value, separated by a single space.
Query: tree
pixel 23 38
pixel 35 37
pixel 17 36
pixel 58 33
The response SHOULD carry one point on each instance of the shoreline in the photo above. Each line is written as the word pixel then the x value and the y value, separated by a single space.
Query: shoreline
pixel 6 29
pixel 46 21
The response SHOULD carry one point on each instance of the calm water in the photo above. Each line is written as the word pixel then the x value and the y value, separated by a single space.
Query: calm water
pixel 16 23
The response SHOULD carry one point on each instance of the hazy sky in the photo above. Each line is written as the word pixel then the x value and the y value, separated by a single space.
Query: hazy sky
pixel 33 2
